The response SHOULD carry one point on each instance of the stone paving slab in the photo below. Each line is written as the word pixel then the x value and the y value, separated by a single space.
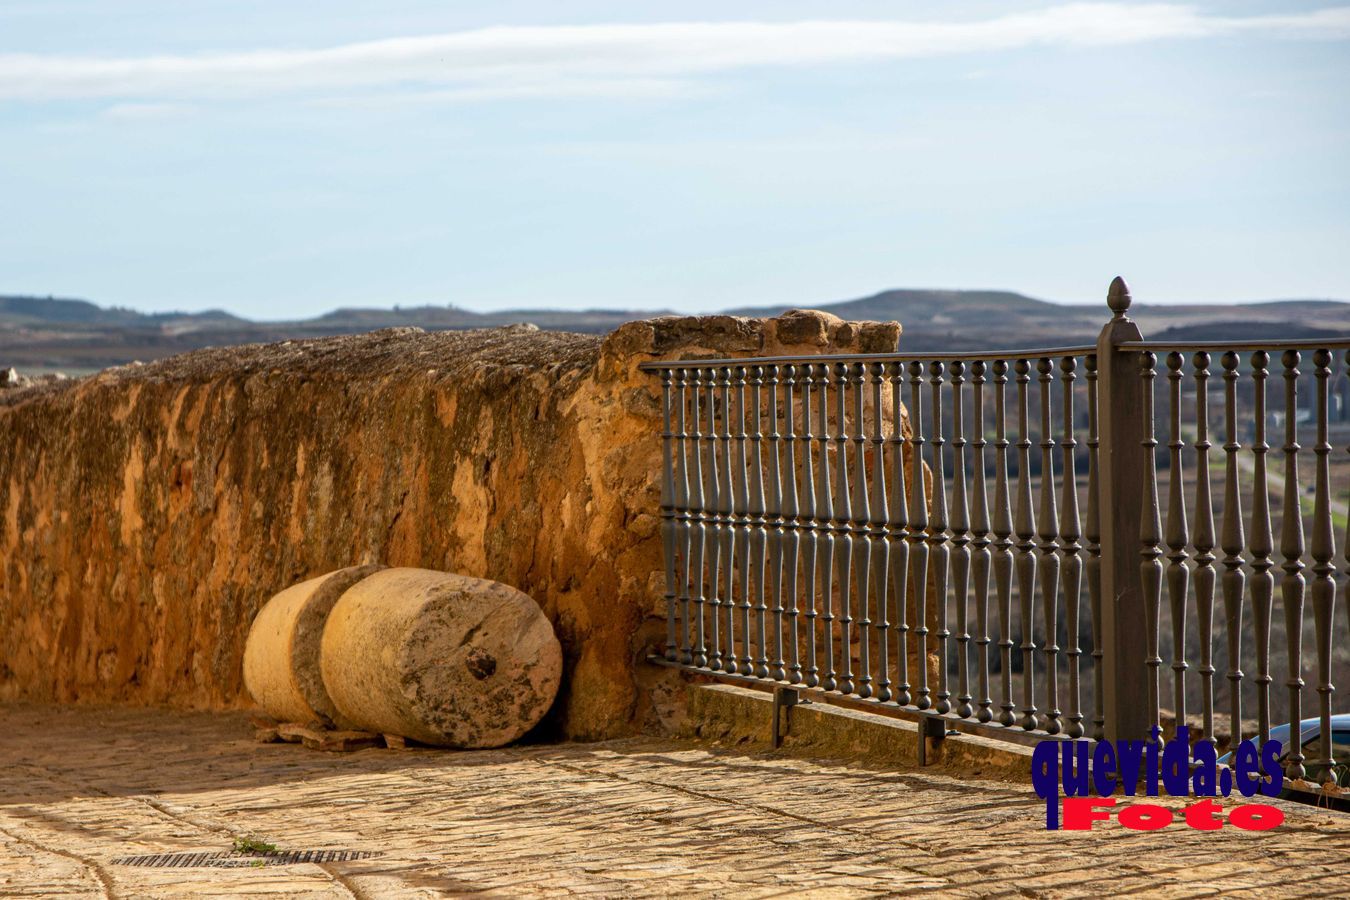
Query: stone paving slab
pixel 81 787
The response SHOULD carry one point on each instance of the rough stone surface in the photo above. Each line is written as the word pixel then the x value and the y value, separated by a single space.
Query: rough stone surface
pixel 147 512
pixel 281 655
pixel 630 818
pixel 444 659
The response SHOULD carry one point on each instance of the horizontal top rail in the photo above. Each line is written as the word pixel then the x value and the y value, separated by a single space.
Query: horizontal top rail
pixel 1192 346
pixel 1036 353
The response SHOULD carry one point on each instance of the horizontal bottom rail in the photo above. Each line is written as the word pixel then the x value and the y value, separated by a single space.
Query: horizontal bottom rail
pixel 1303 792
pixel 953 723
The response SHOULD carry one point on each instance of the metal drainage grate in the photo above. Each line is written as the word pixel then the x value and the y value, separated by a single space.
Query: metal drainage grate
pixel 230 860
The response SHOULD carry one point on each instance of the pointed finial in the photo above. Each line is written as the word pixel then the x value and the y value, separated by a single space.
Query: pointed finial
pixel 1118 297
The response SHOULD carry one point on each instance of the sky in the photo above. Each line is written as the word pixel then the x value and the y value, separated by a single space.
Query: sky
pixel 280 159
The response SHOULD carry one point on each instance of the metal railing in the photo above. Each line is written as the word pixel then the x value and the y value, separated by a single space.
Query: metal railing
pixel 922 532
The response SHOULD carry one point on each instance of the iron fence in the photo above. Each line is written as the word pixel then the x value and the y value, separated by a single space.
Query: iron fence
pixel 988 538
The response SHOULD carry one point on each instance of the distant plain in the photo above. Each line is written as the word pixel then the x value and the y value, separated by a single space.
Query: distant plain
pixel 42 334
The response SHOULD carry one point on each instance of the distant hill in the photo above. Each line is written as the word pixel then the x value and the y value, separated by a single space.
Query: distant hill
pixel 18 310
pixel 43 333
pixel 960 320
pixel 955 305
pixel 970 320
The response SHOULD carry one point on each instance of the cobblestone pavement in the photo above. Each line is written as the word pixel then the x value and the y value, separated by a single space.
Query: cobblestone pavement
pixel 80 788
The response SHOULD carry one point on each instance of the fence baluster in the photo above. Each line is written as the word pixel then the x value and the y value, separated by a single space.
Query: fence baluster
pixel 918 526
pixel 668 504
pixel 724 655
pixel 1233 540
pixel 792 520
pixel 960 525
pixel 1204 543
pixel 745 664
pixel 897 533
pixel 1178 576
pixel 1003 544
pixel 1093 534
pixel 683 516
pixel 843 526
pixel 1026 548
pixel 713 496
pixel 939 554
pixel 1150 539
pixel 862 546
pixel 1291 548
pixel 811 519
pixel 1324 571
pixel 1070 532
pixel 1347 450
pixel 827 514
pixel 1263 582
pixel 759 534
pixel 877 533
pixel 1049 533
pixel 981 559
pixel 774 501
pixel 699 511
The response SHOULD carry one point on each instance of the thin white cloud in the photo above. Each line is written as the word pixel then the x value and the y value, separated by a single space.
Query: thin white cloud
pixel 626 88
pixel 495 62
pixel 142 112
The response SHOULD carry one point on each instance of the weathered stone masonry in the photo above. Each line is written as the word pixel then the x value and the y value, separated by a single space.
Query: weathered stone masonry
pixel 147 512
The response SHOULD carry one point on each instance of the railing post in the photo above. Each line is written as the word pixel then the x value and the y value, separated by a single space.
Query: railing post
pixel 1121 502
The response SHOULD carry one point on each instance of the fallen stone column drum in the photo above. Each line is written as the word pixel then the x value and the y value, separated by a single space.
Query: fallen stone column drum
pixel 281 655
pixel 441 658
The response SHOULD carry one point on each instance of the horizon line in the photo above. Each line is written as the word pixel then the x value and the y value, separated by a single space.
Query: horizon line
pixel 650 312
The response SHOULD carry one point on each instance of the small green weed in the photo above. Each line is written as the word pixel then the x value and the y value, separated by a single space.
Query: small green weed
pixel 252 843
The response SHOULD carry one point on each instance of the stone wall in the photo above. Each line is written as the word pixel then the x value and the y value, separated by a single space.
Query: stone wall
pixel 147 512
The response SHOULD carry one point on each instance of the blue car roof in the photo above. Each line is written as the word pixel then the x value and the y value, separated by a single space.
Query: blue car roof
pixel 1306 729
pixel 1310 727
